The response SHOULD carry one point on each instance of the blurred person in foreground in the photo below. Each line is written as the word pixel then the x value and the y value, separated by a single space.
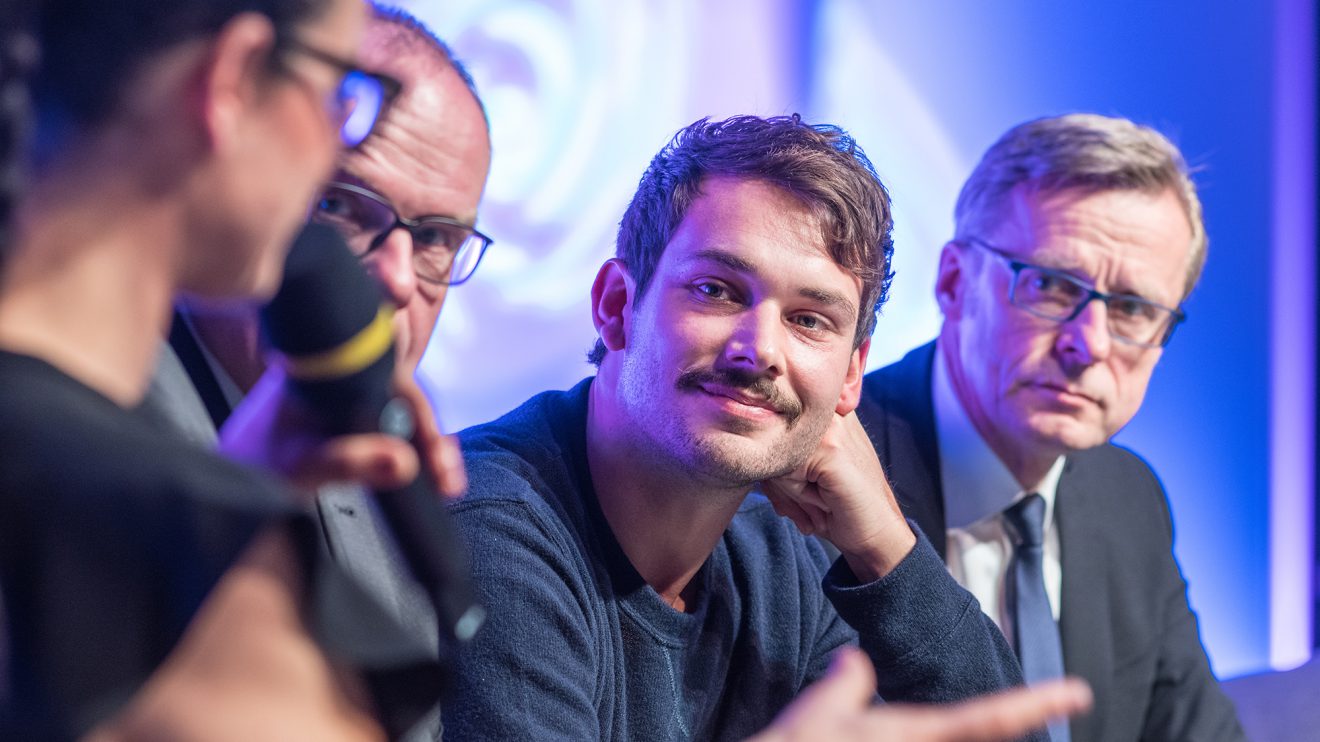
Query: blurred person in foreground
pixel 635 588
pixel 406 202
pixel 1077 239
pixel 151 589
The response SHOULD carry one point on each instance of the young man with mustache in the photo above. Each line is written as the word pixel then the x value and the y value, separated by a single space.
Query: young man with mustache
pixel 634 589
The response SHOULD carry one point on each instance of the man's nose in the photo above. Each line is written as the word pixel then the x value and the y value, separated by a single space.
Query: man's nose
pixel 1085 340
pixel 391 264
pixel 757 341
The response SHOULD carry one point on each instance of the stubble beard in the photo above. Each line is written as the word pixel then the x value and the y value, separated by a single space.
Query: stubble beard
pixel 728 458
pixel 740 461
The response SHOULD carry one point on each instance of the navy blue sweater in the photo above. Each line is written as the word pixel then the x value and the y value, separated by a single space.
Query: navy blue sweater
pixel 579 647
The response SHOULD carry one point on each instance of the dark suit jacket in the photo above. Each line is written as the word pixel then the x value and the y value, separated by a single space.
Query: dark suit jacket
pixel 1125 622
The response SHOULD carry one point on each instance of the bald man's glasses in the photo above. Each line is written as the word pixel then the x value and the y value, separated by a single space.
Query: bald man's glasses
pixel 1055 295
pixel 444 250
pixel 360 98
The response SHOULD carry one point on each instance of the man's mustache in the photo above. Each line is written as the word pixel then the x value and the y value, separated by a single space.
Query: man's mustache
pixel 751 384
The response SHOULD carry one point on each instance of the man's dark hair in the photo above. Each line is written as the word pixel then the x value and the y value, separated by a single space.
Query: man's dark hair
pixel 819 164
pixel 91 49
pixel 18 55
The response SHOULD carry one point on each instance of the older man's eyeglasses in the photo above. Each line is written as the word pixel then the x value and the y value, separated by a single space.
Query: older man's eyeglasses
pixel 445 250
pixel 360 98
pixel 1055 295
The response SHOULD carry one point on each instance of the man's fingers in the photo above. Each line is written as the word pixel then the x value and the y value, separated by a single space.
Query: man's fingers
pixel 838 707
pixel 787 508
pixel 440 453
pixel 378 461
pixel 1007 715
pixel 451 477
pixel 819 517
pixel 1015 712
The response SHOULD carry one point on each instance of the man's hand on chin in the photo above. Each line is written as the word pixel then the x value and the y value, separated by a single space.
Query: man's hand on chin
pixel 841 494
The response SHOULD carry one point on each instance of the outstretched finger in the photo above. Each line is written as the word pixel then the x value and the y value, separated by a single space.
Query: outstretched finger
pixel 1004 716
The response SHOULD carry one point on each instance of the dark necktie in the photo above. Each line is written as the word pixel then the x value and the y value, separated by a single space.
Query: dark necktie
pixel 1036 634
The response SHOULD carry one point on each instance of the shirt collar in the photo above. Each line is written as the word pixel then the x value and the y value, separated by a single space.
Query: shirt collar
pixel 969 469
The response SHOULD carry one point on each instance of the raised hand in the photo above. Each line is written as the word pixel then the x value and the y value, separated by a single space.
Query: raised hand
pixel 841 494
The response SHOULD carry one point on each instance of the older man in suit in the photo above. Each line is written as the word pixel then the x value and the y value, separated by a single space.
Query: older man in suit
pixel 1077 239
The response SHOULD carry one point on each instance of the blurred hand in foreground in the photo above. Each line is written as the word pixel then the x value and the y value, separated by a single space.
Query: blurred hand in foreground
pixel 839 708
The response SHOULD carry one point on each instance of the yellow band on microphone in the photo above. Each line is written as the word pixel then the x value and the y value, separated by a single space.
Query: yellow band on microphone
pixel 351 356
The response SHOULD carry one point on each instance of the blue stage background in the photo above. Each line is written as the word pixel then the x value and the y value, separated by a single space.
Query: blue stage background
pixel 581 93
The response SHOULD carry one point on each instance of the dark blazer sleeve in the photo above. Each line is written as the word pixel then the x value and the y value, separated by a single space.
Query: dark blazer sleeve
pixel 1127 625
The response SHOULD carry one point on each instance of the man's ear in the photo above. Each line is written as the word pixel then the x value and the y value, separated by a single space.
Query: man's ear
pixel 951 280
pixel 611 303
pixel 231 74
pixel 852 382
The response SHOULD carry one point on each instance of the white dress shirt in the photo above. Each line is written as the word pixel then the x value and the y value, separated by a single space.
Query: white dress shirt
pixel 977 489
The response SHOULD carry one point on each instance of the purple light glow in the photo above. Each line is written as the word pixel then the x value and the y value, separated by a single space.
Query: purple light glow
pixel 1292 403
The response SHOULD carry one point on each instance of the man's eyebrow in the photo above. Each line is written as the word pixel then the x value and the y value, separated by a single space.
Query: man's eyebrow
pixel 830 298
pixel 733 262
pixel 343 176
pixel 1145 291
pixel 728 260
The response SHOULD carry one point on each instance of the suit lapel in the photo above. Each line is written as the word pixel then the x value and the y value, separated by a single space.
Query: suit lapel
pixel 1088 639
pixel 189 352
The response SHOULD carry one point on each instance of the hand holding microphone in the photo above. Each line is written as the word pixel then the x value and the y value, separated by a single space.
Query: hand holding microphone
pixel 333 377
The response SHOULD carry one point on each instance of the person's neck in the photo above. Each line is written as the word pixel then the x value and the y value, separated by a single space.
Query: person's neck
pixel 234 339
pixel 1027 465
pixel 88 282
pixel 1028 470
pixel 667 521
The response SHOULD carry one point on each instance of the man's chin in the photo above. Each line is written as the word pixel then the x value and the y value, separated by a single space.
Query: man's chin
pixel 744 460
pixel 1066 434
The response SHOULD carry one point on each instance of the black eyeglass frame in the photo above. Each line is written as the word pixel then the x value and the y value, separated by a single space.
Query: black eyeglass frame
pixel 1176 314
pixel 389 86
pixel 411 225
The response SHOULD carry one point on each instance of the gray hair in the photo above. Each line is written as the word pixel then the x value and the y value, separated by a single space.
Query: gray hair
pixel 1082 151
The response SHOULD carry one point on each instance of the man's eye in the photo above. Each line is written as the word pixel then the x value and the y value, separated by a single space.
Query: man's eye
pixel 437 237
pixel 711 290
pixel 808 321
pixel 1045 283
pixel 333 205
pixel 1048 284
pixel 1129 307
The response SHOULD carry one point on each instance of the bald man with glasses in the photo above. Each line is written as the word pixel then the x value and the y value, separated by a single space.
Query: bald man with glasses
pixel 1077 239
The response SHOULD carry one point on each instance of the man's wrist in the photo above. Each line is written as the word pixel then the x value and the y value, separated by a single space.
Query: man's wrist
pixel 874 562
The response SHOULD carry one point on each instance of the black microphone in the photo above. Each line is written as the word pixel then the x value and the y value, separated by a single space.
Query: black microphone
pixel 334 332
